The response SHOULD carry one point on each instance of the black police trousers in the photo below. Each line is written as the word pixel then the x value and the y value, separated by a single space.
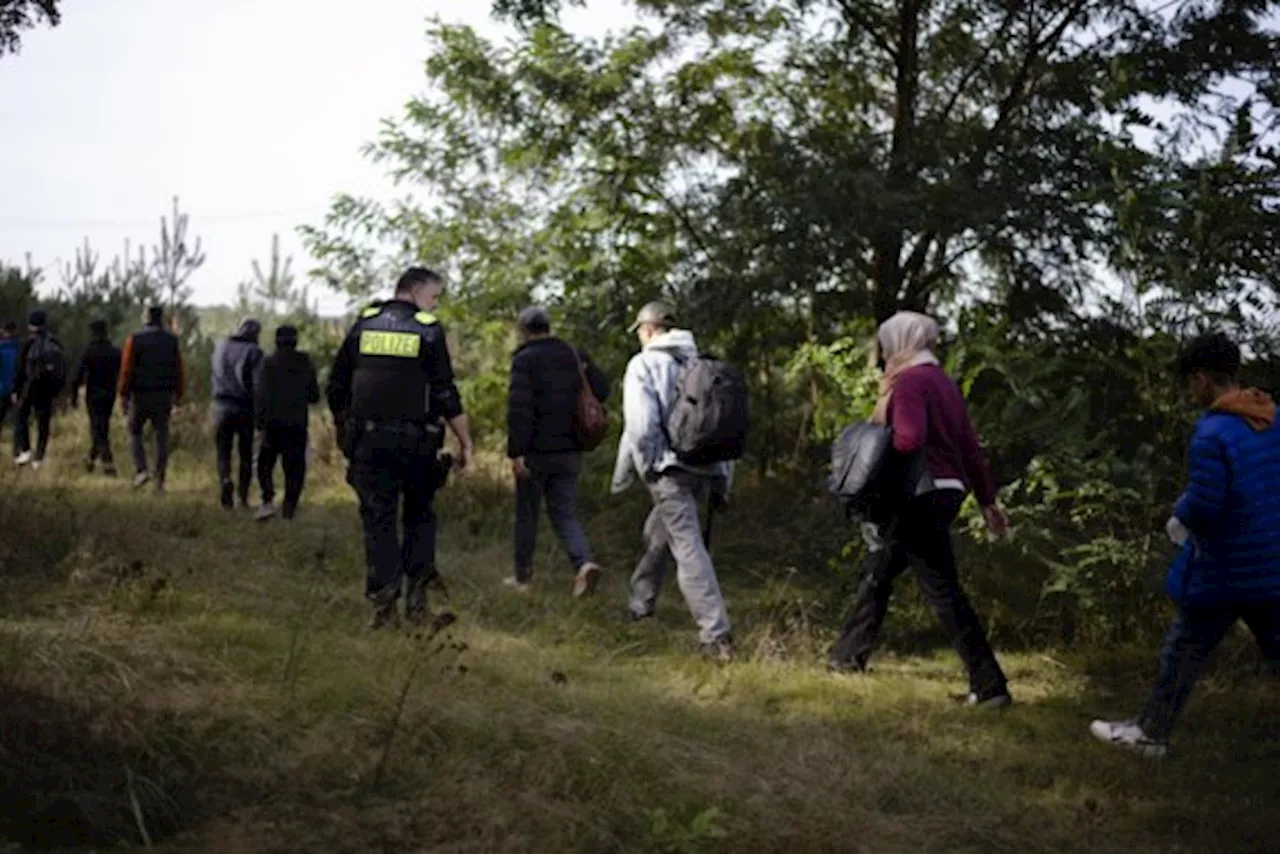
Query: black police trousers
pixel 100 407
pixel 389 466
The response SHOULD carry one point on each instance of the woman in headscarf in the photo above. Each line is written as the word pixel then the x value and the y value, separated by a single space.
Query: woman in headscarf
pixel 929 417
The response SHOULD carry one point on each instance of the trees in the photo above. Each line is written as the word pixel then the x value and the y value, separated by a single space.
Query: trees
pixel 19 15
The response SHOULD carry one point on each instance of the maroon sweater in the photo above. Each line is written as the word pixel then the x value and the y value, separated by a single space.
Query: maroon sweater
pixel 928 412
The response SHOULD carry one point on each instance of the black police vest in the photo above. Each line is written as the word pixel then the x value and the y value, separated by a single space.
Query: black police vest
pixel 390 382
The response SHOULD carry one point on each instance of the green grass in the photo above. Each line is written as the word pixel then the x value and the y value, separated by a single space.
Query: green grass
pixel 175 670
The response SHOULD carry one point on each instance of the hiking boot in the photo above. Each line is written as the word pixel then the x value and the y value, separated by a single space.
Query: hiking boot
pixel 266 512
pixel 109 470
pixel 22 459
pixel 141 479
pixel 415 601
pixel 720 650
pixel 1130 736
pixel 513 583
pixel 89 466
pixel 588 578
pixel 226 495
pixel 997 700
pixel 840 667
pixel 385 613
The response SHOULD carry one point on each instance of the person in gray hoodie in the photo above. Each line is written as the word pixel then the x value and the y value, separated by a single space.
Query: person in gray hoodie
pixel 673 528
pixel 235 364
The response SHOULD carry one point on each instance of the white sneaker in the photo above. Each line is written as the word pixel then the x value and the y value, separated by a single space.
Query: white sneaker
pixel 1129 735
pixel 141 479
pixel 266 511
pixel 588 578
pixel 22 459
pixel 516 584
pixel 35 464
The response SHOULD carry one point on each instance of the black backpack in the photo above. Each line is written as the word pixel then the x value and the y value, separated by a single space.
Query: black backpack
pixel 47 363
pixel 710 416
pixel 869 477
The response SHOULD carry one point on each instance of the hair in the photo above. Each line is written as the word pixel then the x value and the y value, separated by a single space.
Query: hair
pixel 1214 354
pixel 286 336
pixel 10 327
pixel 415 276
pixel 155 315
pixel 534 320
pixel 99 328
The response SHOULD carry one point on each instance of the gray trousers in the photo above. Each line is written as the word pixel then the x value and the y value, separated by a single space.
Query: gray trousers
pixel 673 530
pixel 154 407
pixel 553 477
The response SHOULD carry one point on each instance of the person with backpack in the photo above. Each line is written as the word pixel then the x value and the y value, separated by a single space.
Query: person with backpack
pixel 235 364
pixel 1227 527
pixel 685 422
pixel 98 375
pixel 10 348
pixel 284 389
pixel 152 382
pixel 40 377
pixel 546 437
pixel 930 424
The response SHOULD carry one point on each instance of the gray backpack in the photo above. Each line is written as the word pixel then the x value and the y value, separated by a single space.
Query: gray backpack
pixel 710 416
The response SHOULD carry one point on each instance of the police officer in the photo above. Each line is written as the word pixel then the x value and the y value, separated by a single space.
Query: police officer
pixel 391 392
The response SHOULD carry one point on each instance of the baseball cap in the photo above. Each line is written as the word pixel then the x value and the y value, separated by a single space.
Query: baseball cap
pixel 657 313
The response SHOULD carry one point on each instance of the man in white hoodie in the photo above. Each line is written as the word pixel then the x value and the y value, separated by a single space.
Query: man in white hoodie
pixel 673 528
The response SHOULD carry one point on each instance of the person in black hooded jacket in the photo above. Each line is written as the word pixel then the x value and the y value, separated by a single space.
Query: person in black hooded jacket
pixel 543 444
pixel 284 389
pixel 98 375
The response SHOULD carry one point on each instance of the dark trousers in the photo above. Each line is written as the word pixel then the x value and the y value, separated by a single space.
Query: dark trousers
pixel 386 468
pixel 154 408
pixel 100 410
pixel 555 478
pixel 1195 634
pixel 922 538
pixel 41 406
pixel 5 405
pixel 289 445
pixel 233 427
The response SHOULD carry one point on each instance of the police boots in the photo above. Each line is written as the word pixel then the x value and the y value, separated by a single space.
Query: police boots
pixel 415 601
pixel 385 613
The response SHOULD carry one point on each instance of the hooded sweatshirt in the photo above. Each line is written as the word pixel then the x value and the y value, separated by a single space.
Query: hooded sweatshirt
pixel 649 390
pixel 235 361
pixel 1231 507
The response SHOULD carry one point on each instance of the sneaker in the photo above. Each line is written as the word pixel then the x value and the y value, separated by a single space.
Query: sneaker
pixel 588 578
pixel 516 584
pixel 1001 700
pixel 141 479
pixel 109 470
pixel 266 511
pixel 226 495
pixel 720 650
pixel 288 511
pixel 35 464
pixel 839 666
pixel 22 459
pixel 385 616
pixel 1130 736
pixel 632 617
pixel 89 466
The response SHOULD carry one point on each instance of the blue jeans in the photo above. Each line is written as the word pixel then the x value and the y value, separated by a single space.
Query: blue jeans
pixel 1195 634
pixel 555 478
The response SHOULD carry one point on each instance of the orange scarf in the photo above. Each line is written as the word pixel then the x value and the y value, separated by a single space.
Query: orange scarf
pixel 1253 405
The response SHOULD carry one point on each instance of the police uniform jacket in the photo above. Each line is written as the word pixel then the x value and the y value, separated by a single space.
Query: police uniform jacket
pixel 393 367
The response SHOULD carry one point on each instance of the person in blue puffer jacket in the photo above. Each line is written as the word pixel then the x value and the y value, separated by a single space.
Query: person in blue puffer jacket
pixel 1227 525
pixel 9 346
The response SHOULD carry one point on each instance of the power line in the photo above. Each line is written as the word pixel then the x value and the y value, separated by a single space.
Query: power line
pixel 196 220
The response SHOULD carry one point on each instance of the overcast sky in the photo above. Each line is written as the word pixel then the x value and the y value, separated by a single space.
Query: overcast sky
pixel 253 112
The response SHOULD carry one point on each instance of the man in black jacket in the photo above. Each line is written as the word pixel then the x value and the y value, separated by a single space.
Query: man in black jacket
pixel 38 380
pixel 284 388
pixel 98 374
pixel 153 378
pixel 543 445
pixel 235 364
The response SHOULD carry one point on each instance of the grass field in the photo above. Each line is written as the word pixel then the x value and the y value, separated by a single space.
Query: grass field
pixel 179 678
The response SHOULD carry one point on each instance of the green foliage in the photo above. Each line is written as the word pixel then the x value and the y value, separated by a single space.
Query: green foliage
pixel 19 15
pixel 701 833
